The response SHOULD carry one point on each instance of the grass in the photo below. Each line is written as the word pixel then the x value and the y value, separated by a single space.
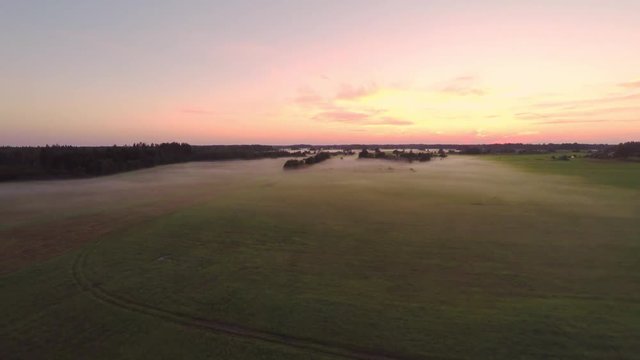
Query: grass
pixel 617 173
pixel 46 316
pixel 459 258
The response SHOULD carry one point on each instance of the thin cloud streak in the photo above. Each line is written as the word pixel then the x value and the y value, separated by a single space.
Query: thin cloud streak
pixel 588 102
pixel 349 92
pixel 630 84
pixel 579 121
pixel 573 114
pixel 359 118
pixel 196 111
pixel 463 86
pixel 333 109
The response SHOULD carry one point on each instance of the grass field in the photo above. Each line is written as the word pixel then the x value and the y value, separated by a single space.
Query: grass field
pixel 498 257
pixel 618 173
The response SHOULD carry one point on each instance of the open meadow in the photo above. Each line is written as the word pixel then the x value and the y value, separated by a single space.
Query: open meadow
pixel 467 257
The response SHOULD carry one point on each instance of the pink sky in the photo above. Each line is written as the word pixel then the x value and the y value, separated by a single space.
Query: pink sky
pixel 320 72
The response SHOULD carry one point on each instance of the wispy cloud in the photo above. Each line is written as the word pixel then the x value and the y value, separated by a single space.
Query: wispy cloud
pixel 350 92
pixel 391 121
pixel 580 121
pixel 342 116
pixel 526 115
pixel 462 86
pixel 630 84
pixel 607 100
pixel 570 121
pixel 329 109
pixel 479 133
pixel 309 99
pixel 527 133
pixel 634 110
pixel 195 111
pixel 359 118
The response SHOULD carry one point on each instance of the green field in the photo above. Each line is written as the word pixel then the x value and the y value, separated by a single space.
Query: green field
pixel 500 257
pixel 618 173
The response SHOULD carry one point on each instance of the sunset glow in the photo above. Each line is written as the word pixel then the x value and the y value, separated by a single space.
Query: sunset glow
pixel 322 72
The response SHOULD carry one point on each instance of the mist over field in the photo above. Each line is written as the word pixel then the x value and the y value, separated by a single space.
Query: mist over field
pixel 349 256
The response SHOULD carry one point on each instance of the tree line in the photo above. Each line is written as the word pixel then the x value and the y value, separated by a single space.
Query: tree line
pixel 80 161
pixel 518 148
pixel 313 159
pixel 627 150
pixel 399 155
pixel 503 148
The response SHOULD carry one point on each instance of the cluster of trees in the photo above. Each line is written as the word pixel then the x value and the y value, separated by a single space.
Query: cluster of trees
pixel 71 161
pixel 376 154
pixel 234 152
pixel 75 161
pixel 396 155
pixel 621 151
pixel 627 150
pixel 313 159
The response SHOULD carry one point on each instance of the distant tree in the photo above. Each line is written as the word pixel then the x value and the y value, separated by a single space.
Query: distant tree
pixel 627 149
pixel 293 163
pixel 364 154
pixel 472 151
pixel 313 159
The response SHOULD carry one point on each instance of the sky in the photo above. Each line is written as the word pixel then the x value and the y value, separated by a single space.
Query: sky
pixel 321 72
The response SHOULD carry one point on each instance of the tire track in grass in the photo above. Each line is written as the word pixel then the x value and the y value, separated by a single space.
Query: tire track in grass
pixel 327 348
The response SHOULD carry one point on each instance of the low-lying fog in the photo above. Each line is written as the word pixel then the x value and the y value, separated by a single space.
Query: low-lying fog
pixel 83 208
pixel 190 181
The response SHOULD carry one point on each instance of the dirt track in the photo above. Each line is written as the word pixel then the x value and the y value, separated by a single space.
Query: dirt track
pixel 334 349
